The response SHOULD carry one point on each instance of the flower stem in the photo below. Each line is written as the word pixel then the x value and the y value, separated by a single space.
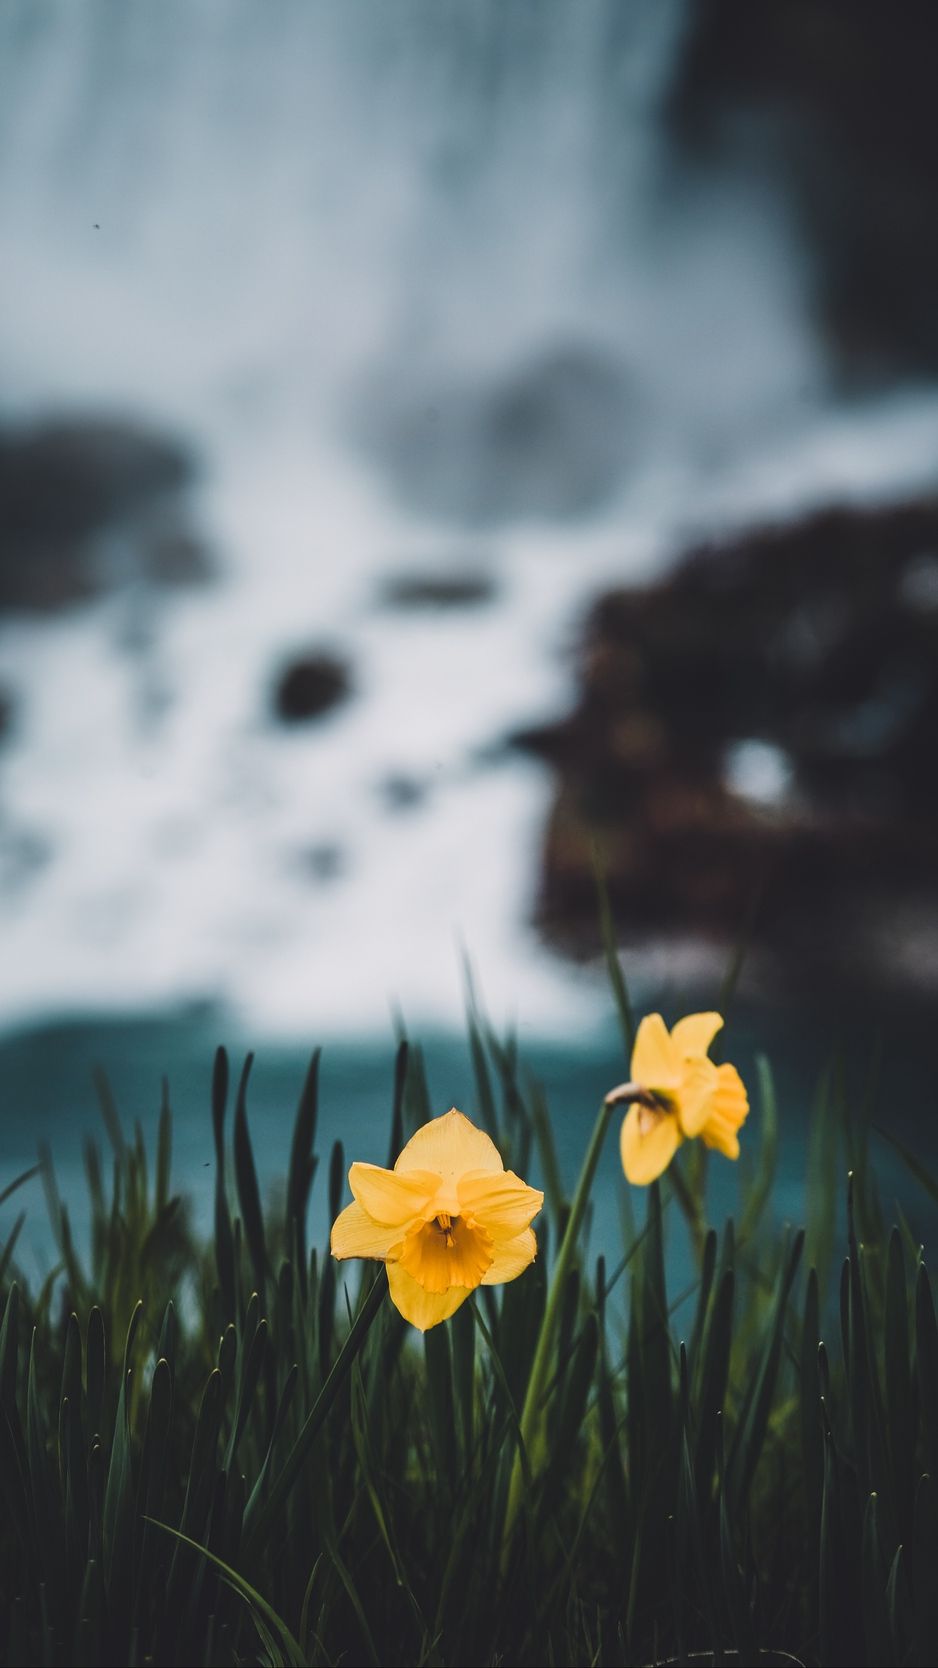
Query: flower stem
pixel 532 1414
pixel 689 1198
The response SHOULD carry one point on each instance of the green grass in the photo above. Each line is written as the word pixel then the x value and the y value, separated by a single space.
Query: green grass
pixel 214 1451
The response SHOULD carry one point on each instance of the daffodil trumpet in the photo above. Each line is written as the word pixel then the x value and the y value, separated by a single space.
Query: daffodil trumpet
pixel 448 1218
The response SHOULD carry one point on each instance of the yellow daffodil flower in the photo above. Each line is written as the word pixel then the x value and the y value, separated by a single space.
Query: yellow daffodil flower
pixel 448 1218
pixel 677 1093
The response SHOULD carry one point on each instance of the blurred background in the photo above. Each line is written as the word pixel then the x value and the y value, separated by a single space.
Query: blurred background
pixel 435 436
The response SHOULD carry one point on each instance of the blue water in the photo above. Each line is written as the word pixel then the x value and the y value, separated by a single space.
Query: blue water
pixel 308 252
pixel 48 1094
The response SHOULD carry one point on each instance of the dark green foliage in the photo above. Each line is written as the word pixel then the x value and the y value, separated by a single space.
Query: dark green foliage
pixel 232 1452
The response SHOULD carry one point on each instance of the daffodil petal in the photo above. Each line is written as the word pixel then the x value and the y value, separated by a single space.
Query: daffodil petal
pixel 355 1234
pixel 449 1146
pixel 647 1144
pixel 656 1063
pixel 392 1198
pixel 722 1141
pixel 693 1099
pixel 512 1257
pixel 503 1203
pixel 695 1034
pixel 727 1111
pixel 421 1308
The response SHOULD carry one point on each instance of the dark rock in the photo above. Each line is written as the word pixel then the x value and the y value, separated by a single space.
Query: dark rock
pixel 550 440
pixel 432 592
pixel 174 556
pixel 324 862
pixel 837 103
pixel 761 722
pixel 402 793
pixel 65 484
pixel 310 686
pixel 24 854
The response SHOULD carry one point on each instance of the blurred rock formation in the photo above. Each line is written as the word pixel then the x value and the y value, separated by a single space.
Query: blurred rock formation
pixel 761 725
pixel 309 686
pixel 546 439
pixel 87 504
pixel 836 101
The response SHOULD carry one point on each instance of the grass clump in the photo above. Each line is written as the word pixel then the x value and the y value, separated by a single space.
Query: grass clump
pixel 213 1450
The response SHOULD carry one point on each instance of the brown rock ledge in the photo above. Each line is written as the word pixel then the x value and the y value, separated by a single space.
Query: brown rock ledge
pixel 762 722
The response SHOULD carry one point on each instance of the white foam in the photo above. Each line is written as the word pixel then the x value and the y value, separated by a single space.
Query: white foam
pixel 230 231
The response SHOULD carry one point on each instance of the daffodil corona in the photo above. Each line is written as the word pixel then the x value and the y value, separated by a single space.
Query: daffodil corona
pixel 448 1218
pixel 677 1093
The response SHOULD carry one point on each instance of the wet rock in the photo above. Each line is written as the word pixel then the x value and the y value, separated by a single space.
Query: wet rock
pixel 761 723
pixel 400 792
pixel 549 440
pixel 837 104
pixel 310 686
pixel 324 862
pixel 65 488
pixel 173 555
pixel 435 592
pixel 24 855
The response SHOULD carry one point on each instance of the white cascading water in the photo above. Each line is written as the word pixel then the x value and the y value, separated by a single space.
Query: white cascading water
pixel 277 232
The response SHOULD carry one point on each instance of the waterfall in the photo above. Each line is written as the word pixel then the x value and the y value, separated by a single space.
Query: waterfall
pixel 419 287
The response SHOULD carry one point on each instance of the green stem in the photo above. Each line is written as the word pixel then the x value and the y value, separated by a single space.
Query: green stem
pixel 689 1198
pixel 532 1414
